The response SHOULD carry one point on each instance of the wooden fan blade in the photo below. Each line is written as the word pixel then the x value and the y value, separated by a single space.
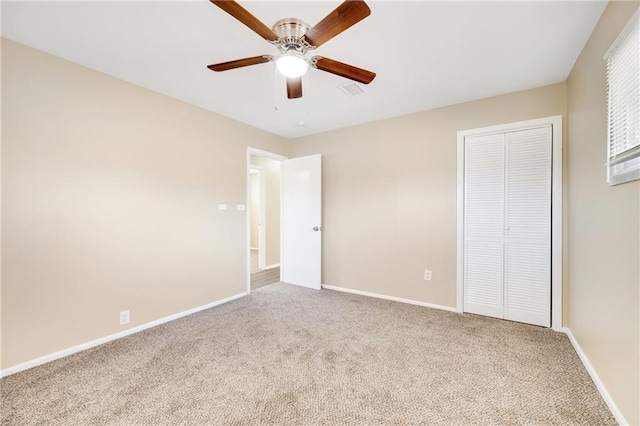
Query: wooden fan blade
pixel 344 16
pixel 344 70
pixel 294 88
pixel 242 15
pixel 239 63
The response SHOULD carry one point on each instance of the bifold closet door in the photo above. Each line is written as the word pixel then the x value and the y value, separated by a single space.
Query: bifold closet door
pixel 527 295
pixel 484 185
pixel 507 225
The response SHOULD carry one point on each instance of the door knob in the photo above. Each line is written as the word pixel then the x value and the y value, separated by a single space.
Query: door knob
pixel 317 228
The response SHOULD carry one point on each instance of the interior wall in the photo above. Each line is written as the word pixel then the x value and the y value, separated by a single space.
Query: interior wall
pixel 109 202
pixel 254 221
pixel 271 169
pixel 1 202
pixel 604 222
pixel 389 194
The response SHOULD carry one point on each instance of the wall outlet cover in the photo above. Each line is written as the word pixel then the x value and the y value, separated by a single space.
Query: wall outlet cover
pixel 125 317
pixel 427 275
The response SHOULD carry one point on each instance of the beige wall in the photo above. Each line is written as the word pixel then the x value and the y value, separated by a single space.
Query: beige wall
pixel 604 221
pixel 254 210
pixel 271 170
pixel 389 194
pixel 1 202
pixel 110 196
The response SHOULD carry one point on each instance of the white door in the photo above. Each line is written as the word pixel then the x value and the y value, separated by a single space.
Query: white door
pixel 484 225
pixel 507 225
pixel 302 221
pixel 528 227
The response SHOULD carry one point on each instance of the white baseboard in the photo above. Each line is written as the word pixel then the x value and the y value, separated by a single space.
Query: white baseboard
pixel 100 341
pixel 596 379
pixel 393 298
pixel 275 265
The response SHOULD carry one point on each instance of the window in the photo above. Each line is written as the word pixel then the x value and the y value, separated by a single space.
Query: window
pixel 623 105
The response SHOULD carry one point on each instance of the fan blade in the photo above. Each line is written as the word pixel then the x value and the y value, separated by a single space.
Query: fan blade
pixel 344 70
pixel 294 88
pixel 344 16
pixel 239 63
pixel 242 15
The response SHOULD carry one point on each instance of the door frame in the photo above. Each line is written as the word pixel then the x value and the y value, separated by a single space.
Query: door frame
pixel 262 258
pixel 556 208
pixel 259 153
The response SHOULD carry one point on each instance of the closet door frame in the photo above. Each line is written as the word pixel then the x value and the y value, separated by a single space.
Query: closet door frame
pixel 556 211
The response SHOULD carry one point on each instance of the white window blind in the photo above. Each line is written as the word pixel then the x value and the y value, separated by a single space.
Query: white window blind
pixel 623 105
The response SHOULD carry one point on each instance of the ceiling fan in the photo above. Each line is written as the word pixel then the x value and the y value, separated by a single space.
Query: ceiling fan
pixel 294 38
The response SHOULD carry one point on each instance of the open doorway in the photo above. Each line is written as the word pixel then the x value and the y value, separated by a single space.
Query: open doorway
pixel 264 217
pixel 256 218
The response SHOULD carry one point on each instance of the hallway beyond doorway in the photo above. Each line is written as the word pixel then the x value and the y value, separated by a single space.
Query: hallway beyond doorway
pixel 262 277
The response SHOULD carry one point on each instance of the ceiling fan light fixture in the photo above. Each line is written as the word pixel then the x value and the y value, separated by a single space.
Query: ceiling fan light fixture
pixel 293 38
pixel 292 64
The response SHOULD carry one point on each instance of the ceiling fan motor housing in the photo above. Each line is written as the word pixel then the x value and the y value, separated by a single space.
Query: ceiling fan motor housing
pixel 290 32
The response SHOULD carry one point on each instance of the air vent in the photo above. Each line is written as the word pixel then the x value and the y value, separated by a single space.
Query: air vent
pixel 351 89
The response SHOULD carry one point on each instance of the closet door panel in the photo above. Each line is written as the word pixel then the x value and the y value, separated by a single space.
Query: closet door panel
pixel 528 226
pixel 484 225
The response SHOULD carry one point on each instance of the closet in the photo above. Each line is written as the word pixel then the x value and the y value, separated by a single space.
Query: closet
pixel 507 225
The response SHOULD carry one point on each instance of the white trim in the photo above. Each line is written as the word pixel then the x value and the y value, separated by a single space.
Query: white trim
pixel 392 298
pixel 248 219
pixel 281 158
pixel 556 224
pixel 262 222
pixel 596 379
pixel 254 248
pixel 460 226
pixel 275 265
pixel 260 153
pixel 262 225
pixel 281 214
pixel 556 202
pixel 78 348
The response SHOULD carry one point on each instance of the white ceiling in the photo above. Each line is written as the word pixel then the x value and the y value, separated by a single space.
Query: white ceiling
pixel 426 54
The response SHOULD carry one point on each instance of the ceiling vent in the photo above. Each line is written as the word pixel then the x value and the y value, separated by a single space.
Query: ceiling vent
pixel 351 89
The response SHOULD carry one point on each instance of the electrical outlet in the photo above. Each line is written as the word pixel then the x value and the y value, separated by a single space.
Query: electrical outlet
pixel 427 275
pixel 124 317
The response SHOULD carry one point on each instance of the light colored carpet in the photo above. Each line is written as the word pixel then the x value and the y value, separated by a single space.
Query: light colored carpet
pixel 289 355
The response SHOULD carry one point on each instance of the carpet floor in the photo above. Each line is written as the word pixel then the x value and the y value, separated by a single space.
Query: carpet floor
pixel 290 355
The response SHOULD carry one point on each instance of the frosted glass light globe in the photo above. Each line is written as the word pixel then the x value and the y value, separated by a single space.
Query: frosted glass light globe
pixel 292 65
